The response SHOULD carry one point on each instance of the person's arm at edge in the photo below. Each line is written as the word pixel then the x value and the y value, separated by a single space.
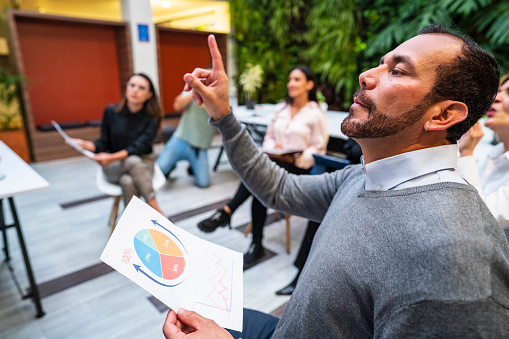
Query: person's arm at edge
pixel 467 165
pixel 181 102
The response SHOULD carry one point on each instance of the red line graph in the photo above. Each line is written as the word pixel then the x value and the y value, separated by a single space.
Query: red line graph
pixel 219 293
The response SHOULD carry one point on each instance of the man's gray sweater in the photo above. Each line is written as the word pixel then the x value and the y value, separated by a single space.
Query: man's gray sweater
pixel 427 261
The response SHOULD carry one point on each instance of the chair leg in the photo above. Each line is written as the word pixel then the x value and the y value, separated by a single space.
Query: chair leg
pixel 114 213
pixel 287 218
pixel 248 229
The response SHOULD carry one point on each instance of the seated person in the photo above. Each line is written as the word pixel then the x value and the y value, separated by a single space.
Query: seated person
pixel 298 123
pixel 190 141
pixel 491 175
pixel 128 130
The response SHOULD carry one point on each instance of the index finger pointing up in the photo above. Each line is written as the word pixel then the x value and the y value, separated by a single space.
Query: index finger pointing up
pixel 217 60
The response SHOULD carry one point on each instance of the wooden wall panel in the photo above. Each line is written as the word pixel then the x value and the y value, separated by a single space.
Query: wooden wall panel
pixel 72 69
pixel 180 52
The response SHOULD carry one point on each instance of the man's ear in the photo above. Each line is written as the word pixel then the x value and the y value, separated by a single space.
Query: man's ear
pixel 444 114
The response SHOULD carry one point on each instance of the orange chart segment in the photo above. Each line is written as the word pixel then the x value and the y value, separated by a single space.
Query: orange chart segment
pixel 164 244
pixel 172 266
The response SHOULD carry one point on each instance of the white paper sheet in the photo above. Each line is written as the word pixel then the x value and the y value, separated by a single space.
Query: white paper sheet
pixel 177 267
pixel 70 142
pixel 280 151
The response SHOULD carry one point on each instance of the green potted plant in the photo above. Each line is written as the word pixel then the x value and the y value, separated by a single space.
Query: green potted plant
pixel 322 101
pixel 11 118
pixel 251 80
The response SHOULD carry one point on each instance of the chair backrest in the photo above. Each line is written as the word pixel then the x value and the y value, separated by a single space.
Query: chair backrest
pixel 106 187
pixel 327 163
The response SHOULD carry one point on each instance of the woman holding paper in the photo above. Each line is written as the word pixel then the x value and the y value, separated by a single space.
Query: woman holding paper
pixel 124 149
pixel 298 124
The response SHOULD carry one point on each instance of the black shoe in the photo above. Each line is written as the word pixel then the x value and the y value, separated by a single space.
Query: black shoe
pixel 287 290
pixel 218 219
pixel 255 252
pixel 190 171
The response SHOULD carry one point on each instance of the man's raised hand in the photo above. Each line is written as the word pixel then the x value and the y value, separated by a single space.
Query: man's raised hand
pixel 210 87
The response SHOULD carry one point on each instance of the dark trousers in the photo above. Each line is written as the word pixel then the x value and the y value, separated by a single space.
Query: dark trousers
pixel 256 325
pixel 305 246
pixel 258 210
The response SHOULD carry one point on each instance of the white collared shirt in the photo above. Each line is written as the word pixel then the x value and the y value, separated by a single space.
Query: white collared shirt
pixel 422 167
pixel 491 181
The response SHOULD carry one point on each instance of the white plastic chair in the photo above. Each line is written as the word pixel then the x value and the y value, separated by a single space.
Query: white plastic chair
pixel 106 187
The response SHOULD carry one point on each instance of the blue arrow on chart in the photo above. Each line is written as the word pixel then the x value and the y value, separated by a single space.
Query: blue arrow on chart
pixel 164 228
pixel 167 230
pixel 138 269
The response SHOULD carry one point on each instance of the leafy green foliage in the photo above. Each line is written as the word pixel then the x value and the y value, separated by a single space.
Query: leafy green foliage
pixel 10 114
pixel 338 39
pixel 332 43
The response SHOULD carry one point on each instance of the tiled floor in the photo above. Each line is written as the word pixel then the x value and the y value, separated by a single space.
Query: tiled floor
pixel 65 228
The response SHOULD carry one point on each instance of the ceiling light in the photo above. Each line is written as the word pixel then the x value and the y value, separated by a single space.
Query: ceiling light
pixel 165 4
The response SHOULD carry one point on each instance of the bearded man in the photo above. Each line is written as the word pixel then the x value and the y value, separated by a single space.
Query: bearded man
pixel 406 247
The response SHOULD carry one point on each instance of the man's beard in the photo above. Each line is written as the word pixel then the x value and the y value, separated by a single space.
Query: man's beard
pixel 379 125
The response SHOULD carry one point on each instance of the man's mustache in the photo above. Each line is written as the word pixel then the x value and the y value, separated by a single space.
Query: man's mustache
pixel 361 95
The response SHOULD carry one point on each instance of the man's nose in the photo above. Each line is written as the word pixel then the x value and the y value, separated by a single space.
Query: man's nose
pixel 369 78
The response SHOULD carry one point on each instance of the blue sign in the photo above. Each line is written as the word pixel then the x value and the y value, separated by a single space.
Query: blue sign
pixel 143 32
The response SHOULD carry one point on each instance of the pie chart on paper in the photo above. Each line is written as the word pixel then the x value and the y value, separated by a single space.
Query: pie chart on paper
pixel 160 254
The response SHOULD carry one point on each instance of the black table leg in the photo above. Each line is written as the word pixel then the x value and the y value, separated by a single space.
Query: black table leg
pixel 4 232
pixel 34 291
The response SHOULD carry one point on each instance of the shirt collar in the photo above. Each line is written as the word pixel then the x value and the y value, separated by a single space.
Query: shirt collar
pixel 389 172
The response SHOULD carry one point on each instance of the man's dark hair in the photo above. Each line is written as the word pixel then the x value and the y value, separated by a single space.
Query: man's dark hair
pixel 472 78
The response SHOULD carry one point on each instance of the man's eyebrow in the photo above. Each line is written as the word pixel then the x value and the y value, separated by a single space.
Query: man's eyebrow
pixel 396 59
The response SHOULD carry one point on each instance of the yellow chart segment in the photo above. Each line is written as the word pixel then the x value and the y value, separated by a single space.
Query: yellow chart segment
pixel 164 244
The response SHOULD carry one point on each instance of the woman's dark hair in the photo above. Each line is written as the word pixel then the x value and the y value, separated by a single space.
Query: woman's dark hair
pixel 504 79
pixel 152 105
pixel 309 77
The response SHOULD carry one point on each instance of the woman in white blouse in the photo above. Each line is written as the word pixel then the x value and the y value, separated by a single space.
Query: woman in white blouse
pixel 491 175
pixel 298 124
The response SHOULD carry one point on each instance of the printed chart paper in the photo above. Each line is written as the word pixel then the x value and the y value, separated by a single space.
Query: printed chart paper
pixel 70 142
pixel 177 267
